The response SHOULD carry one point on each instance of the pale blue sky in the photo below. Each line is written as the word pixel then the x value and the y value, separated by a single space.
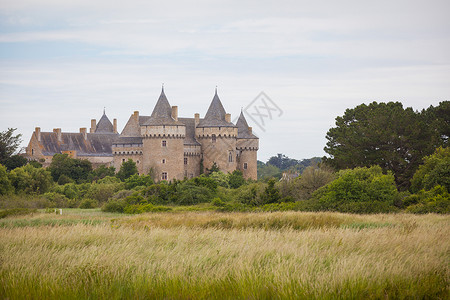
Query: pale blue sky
pixel 61 63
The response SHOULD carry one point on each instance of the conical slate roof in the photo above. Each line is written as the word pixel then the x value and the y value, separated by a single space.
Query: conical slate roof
pixel 104 125
pixel 215 116
pixel 243 132
pixel 162 113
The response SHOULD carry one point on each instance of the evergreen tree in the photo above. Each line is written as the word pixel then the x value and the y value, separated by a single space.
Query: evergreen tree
pixel 127 169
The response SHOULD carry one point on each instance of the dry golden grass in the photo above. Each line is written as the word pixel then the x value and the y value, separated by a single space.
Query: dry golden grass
pixel 213 255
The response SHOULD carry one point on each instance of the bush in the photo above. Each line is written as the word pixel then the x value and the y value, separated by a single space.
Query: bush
pixel 5 184
pixel 361 190
pixel 103 191
pixel 30 180
pixel 437 200
pixel 114 205
pixel 189 194
pixel 136 180
pixel 236 179
pixel 142 208
pixel 435 171
pixel 16 212
pixel 88 203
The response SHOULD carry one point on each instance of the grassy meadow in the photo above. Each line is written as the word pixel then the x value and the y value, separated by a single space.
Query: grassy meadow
pixel 89 254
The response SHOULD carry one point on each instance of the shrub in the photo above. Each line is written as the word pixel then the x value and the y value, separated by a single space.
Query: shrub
pixel 103 191
pixel 30 180
pixel 236 179
pixel 138 180
pixel 5 183
pixel 358 191
pixel 88 203
pixel 16 212
pixel 435 171
pixel 189 194
pixel 220 177
pixel 141 208
pixel 436 200
pixel 114 205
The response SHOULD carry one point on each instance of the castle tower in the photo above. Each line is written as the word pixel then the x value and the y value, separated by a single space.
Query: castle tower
pixel 163 137
pixel 217 135
pixel 247 146
pixel 104 125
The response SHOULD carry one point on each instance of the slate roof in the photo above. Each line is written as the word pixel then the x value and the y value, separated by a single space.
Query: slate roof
pixel 128 140
pixel 215 116
pixel 190 131
pixel 162 113
pixel 243 132
pixel 104 125
pixel 96 144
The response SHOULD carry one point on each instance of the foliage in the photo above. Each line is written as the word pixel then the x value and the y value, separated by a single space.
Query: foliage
pixel 101 192
pixel 436 200
pixel 15 161
pixel 435 171
pixel 127 169
pixel 5 183
pixel 361 190
pixel 142 208
pixel 9 143
pixel 189 193
pixel 16 212
pixel 271 193
pixel 383 134
pixel 236 179
pixel 88 203
pixel 267 171
pixel 138 180
pixel 439 118
pixel 30 180
pixel 214 168
pixel 101 172
pixel 76 169
pixel 221 178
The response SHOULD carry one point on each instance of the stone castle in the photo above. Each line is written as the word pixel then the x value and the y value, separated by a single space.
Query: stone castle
pixel 163 144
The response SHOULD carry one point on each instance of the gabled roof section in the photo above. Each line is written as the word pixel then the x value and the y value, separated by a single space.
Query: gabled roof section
pixel 215 116
pixel 243 131
pixel 162 113
pixel 104 125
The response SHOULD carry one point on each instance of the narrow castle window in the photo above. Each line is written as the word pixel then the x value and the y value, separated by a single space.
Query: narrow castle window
pixel 245 166
pixel 163 160
pixel 164 143
pixel 123 159
pixel 185 161
pixel 213 138
pixel 32 151
pixel 230 157
pixel 164 176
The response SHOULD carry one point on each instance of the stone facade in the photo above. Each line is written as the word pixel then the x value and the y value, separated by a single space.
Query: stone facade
pixel 162 144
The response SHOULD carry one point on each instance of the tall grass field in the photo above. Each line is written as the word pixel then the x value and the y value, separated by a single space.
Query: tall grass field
pixel 88 254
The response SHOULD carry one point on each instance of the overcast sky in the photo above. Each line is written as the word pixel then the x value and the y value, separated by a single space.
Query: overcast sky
pixel 61 62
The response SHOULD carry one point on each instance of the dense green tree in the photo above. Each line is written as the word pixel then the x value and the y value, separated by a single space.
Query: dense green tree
pixel 101 172
pixel 236 179
pixel 214 168
pixel 271 193
pixel 435 171
pixel 28 179
pixel 138 180
pixel 266 171
pixel 439 119
pixel 15 161
pixel 127 169
pixel 76 169
pixel 359 190
pixel 383 134
pixel 221 178
pixel 5 183
pixel 9 143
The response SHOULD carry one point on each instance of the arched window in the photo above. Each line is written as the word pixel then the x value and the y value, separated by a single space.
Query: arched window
pixel 230 156
pixel 213 138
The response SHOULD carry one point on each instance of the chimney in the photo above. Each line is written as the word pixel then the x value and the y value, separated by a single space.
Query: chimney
pixel 84 132
pixel 37 130
pixel 93 125
pixel 197 119
pixel 249 130
pixel 136 115
pixel 115 125
pixel 228 118
pixel 175 113
pixel 58 134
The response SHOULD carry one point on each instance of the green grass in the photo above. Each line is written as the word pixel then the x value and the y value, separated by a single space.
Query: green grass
pixel 87 254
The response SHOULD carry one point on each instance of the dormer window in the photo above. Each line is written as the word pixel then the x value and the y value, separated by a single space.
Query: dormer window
pixel 213 138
